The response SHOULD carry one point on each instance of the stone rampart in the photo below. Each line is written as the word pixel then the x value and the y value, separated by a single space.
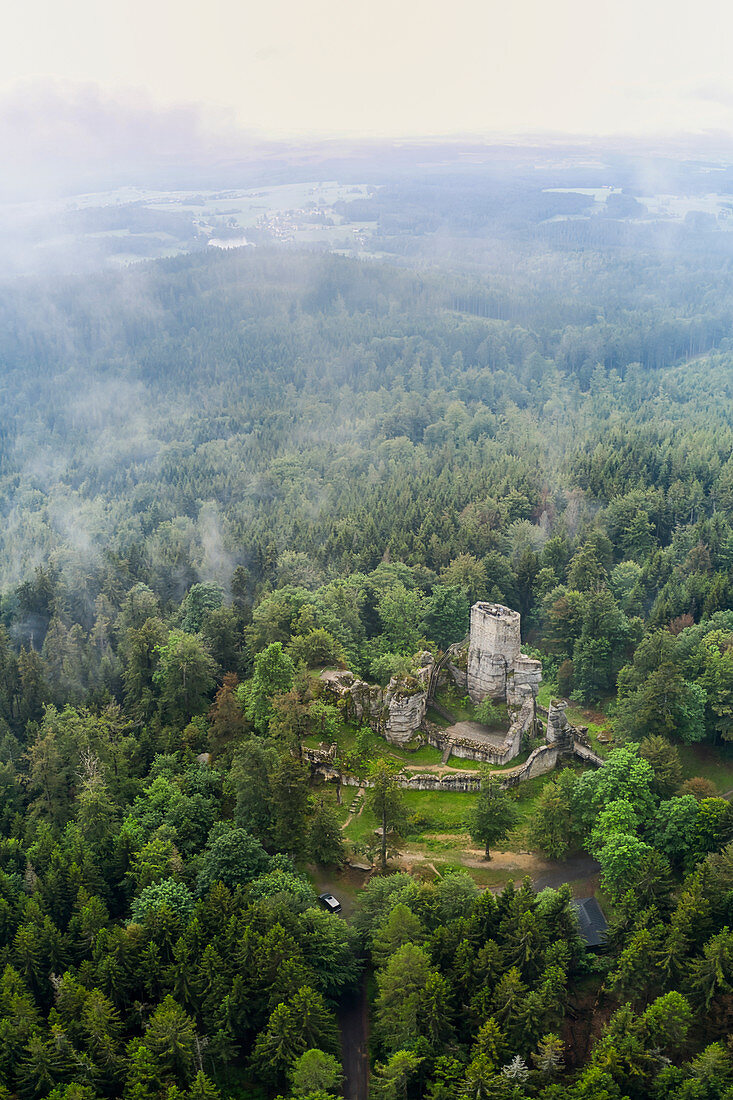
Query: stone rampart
pixel 542 760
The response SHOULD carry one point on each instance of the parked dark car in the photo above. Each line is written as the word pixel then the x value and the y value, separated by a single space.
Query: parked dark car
pixel 328 901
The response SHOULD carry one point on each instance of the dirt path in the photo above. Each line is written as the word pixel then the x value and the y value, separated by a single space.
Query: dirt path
pixel 543 872
pixel 361 792
pixel 354 1026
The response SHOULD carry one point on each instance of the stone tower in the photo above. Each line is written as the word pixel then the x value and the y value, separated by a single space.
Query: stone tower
pixel 496 667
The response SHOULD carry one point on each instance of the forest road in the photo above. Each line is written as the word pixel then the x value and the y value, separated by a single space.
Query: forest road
pixel 354 1027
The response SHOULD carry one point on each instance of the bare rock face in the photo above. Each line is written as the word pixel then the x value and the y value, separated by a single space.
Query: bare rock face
pixel 396 712
pixel 361 700
pixel 486 675
pixel 406 710
pixel 367 702
pixel 523 680
pixel 558 728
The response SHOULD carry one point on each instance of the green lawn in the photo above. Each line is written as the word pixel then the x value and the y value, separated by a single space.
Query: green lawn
pixel 441 827
pixel 443 811
pixel 462 765
pixel 360 827
pixel 482 876
pixel 426 754
pixel 713 762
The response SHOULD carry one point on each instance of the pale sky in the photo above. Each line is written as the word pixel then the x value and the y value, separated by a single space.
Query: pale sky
pixel 393 67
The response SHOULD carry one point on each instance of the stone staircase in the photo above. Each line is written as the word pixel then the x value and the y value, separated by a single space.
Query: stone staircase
pixel 357 801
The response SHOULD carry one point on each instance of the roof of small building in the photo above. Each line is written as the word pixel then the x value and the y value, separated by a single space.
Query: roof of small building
pixel 592 922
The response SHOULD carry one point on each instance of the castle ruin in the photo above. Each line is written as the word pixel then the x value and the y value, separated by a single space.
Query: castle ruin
pixel 497 668
pixel 491 665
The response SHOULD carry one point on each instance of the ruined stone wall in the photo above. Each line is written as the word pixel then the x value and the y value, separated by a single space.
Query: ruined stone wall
pixel 466 748
pixel 542 760
pixel 496 666
pixel 320 756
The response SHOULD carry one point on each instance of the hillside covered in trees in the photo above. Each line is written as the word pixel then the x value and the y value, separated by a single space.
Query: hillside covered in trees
pixel 222 472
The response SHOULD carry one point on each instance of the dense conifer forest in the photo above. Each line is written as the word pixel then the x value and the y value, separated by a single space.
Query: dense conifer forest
pixel 223 472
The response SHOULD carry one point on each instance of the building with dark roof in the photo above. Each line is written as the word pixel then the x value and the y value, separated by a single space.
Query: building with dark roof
pixel 591 922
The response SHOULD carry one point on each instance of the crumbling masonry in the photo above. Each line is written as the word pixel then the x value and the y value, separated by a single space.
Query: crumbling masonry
pixel 496 666
pixel 492 665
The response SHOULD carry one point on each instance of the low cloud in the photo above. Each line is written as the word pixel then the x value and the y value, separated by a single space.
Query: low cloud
pixel 58 137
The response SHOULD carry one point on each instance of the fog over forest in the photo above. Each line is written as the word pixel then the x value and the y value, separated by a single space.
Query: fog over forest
pixel 279 815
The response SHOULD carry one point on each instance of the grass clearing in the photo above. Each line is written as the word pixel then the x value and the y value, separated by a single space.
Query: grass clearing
pixel 462 765
pixel 426 754
pixel 361 827
pixel 546 693
pixel 441 810
pixel 482 876
pixel 713 762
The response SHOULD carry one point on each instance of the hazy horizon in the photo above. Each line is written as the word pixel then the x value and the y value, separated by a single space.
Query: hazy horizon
pixel 290 71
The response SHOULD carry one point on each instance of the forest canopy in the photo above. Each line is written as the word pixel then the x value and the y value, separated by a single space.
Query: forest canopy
pixel 223 472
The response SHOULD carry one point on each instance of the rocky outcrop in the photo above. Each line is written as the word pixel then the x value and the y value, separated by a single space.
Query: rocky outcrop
pixel 558 727
pixel 496 666
pixel 405 712
pixel 486 675
pixel 366 702
pixel 569 740
pixel 523 680
pixel 396 712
